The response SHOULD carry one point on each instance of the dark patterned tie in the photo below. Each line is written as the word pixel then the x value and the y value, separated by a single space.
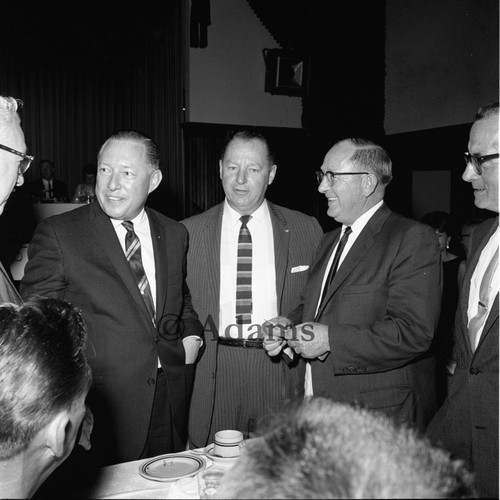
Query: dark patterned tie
pixel 335 263
pixel 483 307
pixel 244 274
pixel 133 254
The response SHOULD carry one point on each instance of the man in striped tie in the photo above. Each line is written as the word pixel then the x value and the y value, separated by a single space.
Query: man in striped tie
pixel 247 261
pixel 467 423
pixel 123 265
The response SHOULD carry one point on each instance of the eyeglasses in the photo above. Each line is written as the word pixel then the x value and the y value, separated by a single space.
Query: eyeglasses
pixel 330 176
pixel 477 161
pixel 25 162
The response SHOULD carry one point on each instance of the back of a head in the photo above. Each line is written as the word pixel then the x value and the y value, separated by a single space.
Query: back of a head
pixel 331 450
pixel 43 369
pixel 439 221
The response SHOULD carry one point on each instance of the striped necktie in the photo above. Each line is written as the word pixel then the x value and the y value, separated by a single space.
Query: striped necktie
pixel 244 274
pixel 134 258
pixel 483 307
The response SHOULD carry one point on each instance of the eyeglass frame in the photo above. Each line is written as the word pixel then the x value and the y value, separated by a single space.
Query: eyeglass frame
pixel 330 176
pixel 21 169
pixel 477 161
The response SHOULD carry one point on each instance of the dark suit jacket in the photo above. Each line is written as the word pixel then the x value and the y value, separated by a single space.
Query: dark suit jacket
pixel 77 256
pixel 36 188
pixel 467 423
pixel 296 237
pixel 381 310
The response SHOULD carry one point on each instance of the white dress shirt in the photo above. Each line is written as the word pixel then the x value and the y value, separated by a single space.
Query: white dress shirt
pixel 264 299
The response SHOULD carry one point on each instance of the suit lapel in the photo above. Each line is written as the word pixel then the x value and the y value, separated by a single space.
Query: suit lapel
pixel 161 251
pixel 107 239
pixel 8 292
pixel 281 236
pixel 360 247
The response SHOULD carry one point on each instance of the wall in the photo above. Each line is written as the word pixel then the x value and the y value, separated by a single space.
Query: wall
pixel 226 79
pixel 442 62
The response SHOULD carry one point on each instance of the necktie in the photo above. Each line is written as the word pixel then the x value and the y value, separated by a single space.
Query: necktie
pixel 336 258
pixel 134 258
pixel 476 323
pixel 244 274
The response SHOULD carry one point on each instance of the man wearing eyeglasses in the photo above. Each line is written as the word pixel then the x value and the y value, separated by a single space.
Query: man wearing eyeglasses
pixel 467 423
pixel 371 304
pixel 13 164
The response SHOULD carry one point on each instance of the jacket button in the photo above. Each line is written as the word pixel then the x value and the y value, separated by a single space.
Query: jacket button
pixel 473 370
pixel 151 381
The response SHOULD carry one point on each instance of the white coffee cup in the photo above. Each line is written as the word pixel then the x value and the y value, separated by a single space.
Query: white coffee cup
pixel 227 443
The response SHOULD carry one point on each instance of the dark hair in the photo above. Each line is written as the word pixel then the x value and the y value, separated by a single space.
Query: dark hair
pixel 50 162
pixel 372 157
pixel 487 111
pixel 43 369
pixel 89 169
pixel 439 221
pixel 152 150
pixel 247 135
pixel 325 449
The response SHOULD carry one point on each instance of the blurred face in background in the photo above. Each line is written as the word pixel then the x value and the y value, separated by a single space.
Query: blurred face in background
pixel 11 135
pixel 245 173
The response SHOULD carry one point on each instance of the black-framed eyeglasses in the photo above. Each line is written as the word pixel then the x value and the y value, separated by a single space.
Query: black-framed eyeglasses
pixel 330 176
pixel 25 162
pixel 477 161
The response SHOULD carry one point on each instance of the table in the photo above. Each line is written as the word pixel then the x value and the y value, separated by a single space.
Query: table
pixel 124 481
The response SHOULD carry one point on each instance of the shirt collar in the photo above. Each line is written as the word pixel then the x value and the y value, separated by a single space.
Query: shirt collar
pixel 138 220
pixel 358 225
pixel 258 216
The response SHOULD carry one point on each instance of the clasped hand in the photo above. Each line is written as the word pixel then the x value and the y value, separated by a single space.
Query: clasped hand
pixel 310 340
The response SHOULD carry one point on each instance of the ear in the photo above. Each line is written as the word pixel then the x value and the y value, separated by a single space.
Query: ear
pixel 220 169
pixel 155 180
pixel 370 183
pixel 272 174
pixel 57 434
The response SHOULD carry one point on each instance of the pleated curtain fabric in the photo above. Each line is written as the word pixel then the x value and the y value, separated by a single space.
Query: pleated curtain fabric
pixel 476 323
pixel 244 274
pixel 134 258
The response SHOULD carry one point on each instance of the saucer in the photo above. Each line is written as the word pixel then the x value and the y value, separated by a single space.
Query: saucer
pixel 209 452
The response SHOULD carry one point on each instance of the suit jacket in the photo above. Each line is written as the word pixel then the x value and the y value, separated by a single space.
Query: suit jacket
pixel 77 256
pixel 296 237
pixel 8 292
pixel 381 309
pixel 37 188
pixel 467 423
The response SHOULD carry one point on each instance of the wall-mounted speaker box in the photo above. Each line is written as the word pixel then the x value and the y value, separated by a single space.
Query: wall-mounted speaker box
pixel 286 73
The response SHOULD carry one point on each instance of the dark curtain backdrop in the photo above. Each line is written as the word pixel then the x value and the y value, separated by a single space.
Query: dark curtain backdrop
pixel 89 69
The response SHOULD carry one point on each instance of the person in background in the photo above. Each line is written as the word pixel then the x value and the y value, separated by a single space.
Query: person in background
pixel 371 304
pixel 324 449
pixel 13 165
pixel 85 191
pixel 47 188
pixel 237 384
pixel 443 226
pixel 44 379
pixel 124 266
pixel 467 422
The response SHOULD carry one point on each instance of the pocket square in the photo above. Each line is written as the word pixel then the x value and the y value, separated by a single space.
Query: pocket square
pixel 299 269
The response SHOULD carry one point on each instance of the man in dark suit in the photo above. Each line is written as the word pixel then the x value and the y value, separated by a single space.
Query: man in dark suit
pixel 47 188
pixel 368 324
pixel 143 333
pixel 13 164
pixel 467 423
pixel 237 386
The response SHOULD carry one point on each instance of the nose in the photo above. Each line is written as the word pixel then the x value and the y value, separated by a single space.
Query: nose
pixel 114 182
pixel 20 180
pixel 241 177
pixel 324 186
pixel 469 174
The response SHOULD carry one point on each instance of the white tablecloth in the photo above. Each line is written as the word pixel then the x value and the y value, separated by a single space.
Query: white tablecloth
pixel 124 481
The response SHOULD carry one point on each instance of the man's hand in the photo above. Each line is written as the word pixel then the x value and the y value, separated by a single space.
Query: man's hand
pixel 274 332
pixel 192 345
pixel 310 340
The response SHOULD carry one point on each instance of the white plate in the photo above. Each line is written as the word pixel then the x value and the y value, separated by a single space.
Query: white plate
pixel 171 467
pixel 209 452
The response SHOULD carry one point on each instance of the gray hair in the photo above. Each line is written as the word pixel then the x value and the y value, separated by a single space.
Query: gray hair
pixel 487 111
pixel 8 110
pixel 324 449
